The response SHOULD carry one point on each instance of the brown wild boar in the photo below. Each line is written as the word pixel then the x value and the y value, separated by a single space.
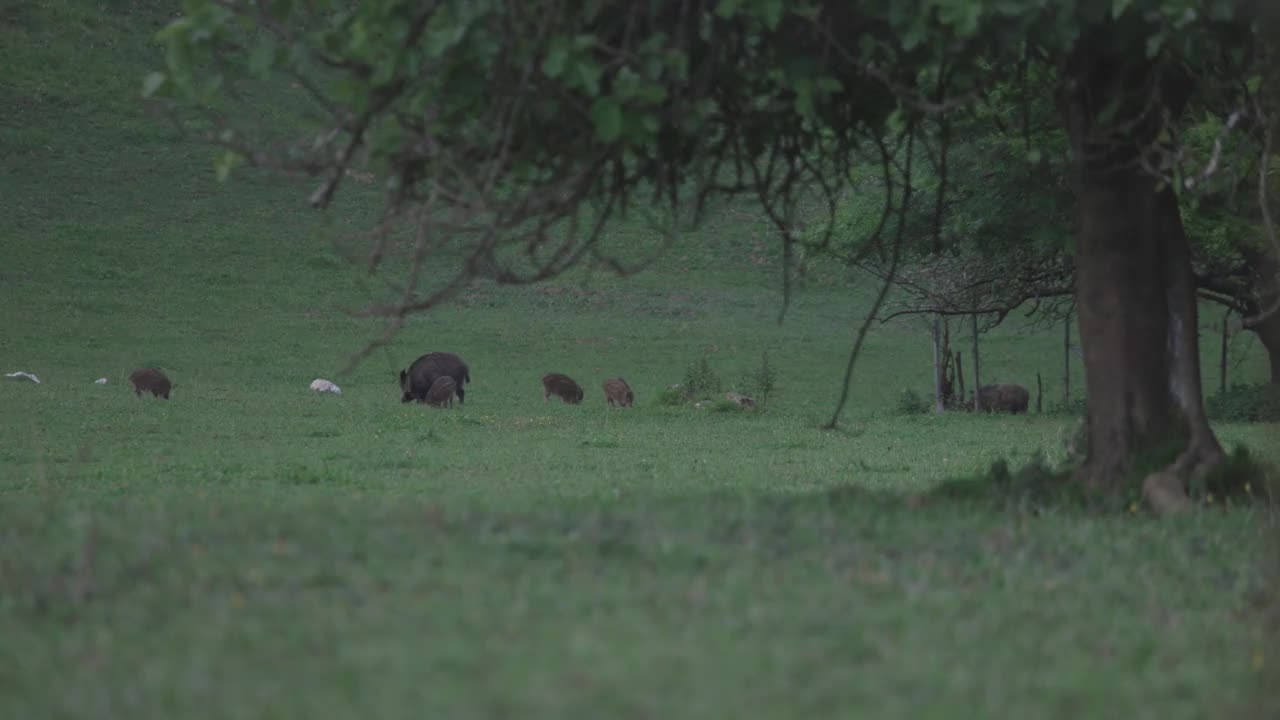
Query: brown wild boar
pixel 616 391
pixel 1004 397
pixel 150 380
pixel 416 382
pixel 442 392
pixel 562 386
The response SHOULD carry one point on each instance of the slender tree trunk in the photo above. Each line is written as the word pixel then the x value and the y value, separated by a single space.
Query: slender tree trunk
pixel 960 399
pixel 977 382
pixel 1268 332
pixel 1266 270
pixel 1066 361
pixel 1268 329
pixel 1202 451
pixel 938 405
pixel 1134 293
pixel 1222 358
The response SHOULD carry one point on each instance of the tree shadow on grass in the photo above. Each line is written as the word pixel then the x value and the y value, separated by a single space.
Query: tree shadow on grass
pixel 1241 480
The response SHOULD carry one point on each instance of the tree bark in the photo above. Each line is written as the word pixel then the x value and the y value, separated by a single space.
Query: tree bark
pixel 1066 361
pixel 1268 332
pixel 1268 329
pixel 1222 357
pixel 1135 298
pixel 977 364
pixel 1202 451
pixel 1039 394
pixel 938 406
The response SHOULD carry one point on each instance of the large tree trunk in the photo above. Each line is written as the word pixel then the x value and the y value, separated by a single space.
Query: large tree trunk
pixel 1202 451
pixel 1267 329
pixel 1268 332
pixel 1134 293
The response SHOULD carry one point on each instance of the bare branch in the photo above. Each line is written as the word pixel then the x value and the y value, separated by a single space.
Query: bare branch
pixel 884 287
pixel 1211 166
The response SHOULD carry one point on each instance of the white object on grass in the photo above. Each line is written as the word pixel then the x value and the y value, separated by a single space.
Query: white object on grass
pixel 100 381
pixel 322 385
pixel 21 374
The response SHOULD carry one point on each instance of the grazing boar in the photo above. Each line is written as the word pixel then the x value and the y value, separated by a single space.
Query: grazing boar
pixel 616 391
pixel 1004 397
pixel 442 392
pixel 150 380
pixel 562 386
pixel 416 382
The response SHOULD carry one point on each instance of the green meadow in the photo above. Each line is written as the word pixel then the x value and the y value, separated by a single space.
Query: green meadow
pixel 250 548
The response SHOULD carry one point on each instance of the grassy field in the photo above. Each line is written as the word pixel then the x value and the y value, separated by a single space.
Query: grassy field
pixel 252 549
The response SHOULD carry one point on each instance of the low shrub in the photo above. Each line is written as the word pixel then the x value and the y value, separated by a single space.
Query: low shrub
pixel 1246 403
pixel 911 403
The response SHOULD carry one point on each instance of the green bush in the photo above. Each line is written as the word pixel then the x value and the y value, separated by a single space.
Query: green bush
pixel 1074 406
pixel 1246 403
pixel 700 381
pixel 910 403
pixel 759 382
pixel 674 395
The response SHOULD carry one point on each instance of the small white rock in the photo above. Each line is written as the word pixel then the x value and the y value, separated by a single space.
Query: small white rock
pixel 21 374
pixel 100 381
pixel 322 385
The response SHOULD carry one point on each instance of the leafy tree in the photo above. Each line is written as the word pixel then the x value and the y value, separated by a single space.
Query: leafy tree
pixel 1231 248
pixel 999 237
pixel 515 130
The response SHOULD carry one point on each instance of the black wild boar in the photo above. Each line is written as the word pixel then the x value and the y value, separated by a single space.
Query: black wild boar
pixel 442 392
pixel 616 391
pixel 562 386
pixel 1004 397
pixel 416 382
pixel 150 380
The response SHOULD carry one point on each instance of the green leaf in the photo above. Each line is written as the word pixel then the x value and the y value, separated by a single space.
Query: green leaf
pixel 606 115
pixel 223 164
pixel 771 13
pixel 174 29
pixel 1154 43
pixel 588 76
pixel 727 8
pixel 264 56
pixel 961 15
pixel 441 40
pixel 178 56
pixel 803 89
pixel 557 54
pixel 151 83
